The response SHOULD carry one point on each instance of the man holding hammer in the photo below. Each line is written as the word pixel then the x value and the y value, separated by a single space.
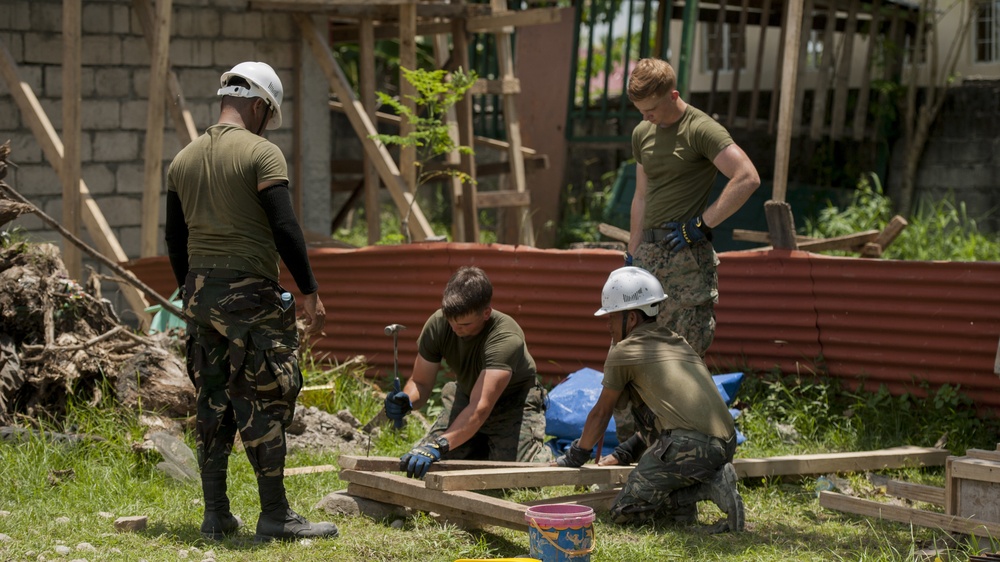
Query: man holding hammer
pixel 495 409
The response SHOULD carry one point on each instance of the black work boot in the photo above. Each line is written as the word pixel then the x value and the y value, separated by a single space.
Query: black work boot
pixel 722 491
pixel 278 522
pixel 219 520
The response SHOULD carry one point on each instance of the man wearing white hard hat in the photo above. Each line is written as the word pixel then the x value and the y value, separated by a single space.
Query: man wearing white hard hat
pixel 229 220
pixel 686 436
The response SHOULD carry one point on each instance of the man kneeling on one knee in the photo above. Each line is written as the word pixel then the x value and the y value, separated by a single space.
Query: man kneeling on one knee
pixel 685 436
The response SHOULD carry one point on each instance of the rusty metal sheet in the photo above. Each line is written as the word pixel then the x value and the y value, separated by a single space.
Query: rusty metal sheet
pixel 874 321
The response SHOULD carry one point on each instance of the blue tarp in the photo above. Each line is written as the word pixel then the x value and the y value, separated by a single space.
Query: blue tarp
pixel 571 400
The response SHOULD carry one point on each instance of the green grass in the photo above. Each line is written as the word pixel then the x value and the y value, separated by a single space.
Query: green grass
pixel 784 519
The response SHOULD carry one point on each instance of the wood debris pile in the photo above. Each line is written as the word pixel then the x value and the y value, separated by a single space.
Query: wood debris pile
pixel 59 339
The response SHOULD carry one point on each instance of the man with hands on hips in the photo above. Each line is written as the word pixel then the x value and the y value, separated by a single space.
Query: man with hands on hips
pixel 495 409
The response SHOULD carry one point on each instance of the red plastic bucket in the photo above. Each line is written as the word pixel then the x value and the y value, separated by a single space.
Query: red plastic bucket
pixel 560 532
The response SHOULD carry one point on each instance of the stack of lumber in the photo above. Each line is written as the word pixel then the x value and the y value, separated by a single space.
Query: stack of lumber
pixel 451 488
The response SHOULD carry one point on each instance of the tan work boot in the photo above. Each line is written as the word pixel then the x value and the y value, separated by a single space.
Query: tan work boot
pixel 722 491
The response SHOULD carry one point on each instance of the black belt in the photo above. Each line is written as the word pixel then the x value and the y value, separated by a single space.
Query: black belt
pixel 654 234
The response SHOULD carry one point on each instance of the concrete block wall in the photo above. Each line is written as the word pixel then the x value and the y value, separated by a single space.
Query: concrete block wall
pixel 962 156
pixel 207 38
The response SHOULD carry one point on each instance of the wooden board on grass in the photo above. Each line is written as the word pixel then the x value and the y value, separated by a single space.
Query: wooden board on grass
pixel 896 457
pixel 538 476
pixel 929 519
pixel 915 492
pixel 391 464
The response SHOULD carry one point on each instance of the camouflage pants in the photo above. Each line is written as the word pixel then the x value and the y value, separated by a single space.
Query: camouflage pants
pixel 241 352
pixel 514 431
pixel 662 483
pixel 691 282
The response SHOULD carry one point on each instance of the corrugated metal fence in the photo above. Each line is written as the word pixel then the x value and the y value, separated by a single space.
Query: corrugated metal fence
pixel 882 322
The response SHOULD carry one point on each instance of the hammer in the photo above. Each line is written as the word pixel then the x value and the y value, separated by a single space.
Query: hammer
pixel 393 330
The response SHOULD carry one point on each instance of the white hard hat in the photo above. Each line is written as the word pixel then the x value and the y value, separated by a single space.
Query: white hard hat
pixel 631 288
pixel 264 83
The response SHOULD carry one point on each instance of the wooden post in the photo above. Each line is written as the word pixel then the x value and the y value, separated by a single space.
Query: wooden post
pixel 52 147
pixel 72 44
pixel 408 61
pixel 864 92
pixel 153 177
pixel 843 78
pixel 463 114
pixel 821 93
pixel 765 15
pixel 741 57
pixel 772 113
pixel 520 223
pixel 789 80
pixel 452 158
pixel 366 58
pixel 805 32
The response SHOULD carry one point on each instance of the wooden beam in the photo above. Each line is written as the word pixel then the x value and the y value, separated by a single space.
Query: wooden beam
pixel 741 57
pixel 407 61
pixel 463 118
pixel 391 464
pixel 821 94
pixel 366 88
pixel 501 19
pixel 299 470
pixel 780 223
pixel 789 80
pixel 71 108
pixel 495 87
pixel 179 112
pixel 153 149
pixel 613 232
pixel 875 248
pixel 915 492
pixel 52 147
pixel 762 237
pixel 896 457
pixel 801 65
pixel 869 508
pixel 759 66
pixel 473 507
pixel 864 93
pixel 453 159
pixel 419 228
pixel 600 501
pixel 849 242
pixel 464 518
pixel 843 75
pixel 494 199
pixel 981 470
pixel 499 478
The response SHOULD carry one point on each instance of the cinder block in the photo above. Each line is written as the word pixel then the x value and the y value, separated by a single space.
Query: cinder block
pixel 43 48
pixel 133 115
pixel 116 146
pixel 200 83
pixel 112 82
pixel 230 52
pixel 102 50
pixel 279 55
pixel 16 16
pixel 101 114
pixel 121 19
pixel 120 210
pixel 129 178
pixel 246 25
pixel 281 27
pixel 197 23
pixel 23 150
pixel 130 239
pixel 15 45
pixel 100 178
pixel 135 51
pixel 140 82
pixel 35 180
pixel 46 16
pixel 54 81
pixel 53 110
pixel 97 18
pixel 191 52
pixel 10 116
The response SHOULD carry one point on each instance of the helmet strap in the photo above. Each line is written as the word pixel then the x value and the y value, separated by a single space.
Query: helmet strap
pixel 263 123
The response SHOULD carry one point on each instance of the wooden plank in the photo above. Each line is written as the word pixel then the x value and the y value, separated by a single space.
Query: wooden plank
pixel 915 492
pixel 950 488
pixel 71 107
pixel 499 478
pixel 789 79
pixel 945 522
pixel 407 61
pixel 975 469
pixel 896 457
pixel 494 199
pixel 518 227
pixel 419 228
pixel 454 158
pixel 780 224
pixel 821 94
pixel 801 65
pixel 765 14
pixel 349 33
pixel 52 147
pixel 741 57
pixel 366 89
pixel 850 242
pixel 495 87
pixel 391 464
pixel 613 232
pixel 463 118
pixel 153 149
pixel 299 470
pixel 477 140
pixel 404 491
pixel 179 112
pixel 864 93
pixel 502 19
pixel 843 76
pixel 461 517
pixel 762 237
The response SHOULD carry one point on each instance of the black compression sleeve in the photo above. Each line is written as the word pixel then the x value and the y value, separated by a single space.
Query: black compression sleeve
pixel 277 203
pixel 176 236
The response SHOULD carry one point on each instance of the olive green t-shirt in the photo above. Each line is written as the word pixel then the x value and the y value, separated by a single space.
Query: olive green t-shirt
pixel 216 178
pixel 678 161
pixel 671 379
pixel 500 345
